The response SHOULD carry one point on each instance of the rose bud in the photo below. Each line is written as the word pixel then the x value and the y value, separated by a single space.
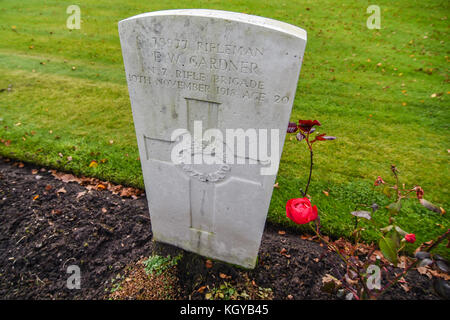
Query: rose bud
pixel 419 192
pixel 378 181
pixel 410 237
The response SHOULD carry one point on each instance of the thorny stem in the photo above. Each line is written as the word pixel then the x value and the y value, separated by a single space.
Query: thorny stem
pixel 397 185
pixel 439 240
pixel 311 163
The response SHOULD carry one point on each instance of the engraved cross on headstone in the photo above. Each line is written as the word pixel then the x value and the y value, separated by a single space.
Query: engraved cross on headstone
pixel 201 191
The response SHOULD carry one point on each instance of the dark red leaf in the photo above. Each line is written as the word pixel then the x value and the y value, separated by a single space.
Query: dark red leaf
pixel 306 125
pixel 292 127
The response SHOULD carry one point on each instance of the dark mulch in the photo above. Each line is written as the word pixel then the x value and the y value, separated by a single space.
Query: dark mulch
pixel 102 233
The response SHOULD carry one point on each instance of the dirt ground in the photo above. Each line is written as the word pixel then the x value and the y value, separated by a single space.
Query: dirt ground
pixel 47 225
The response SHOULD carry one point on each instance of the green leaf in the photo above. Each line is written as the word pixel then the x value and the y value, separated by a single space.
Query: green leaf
pixel 387 229
pixel 388 248
pixel 395 207
pixel 387 191
pixel 395 237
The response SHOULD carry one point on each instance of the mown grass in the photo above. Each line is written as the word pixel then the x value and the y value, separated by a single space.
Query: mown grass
pixel 383 93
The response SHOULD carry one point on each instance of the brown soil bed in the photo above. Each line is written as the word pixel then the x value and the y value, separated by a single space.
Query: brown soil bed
pixel 47 225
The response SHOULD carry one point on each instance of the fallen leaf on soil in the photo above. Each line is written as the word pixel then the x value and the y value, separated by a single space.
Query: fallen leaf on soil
pixel 61 190
pixel 349 280
pixel 93 183
pixel 282 233
pixel 223 276
pixel 307 237
pixel 80 194
pixel 56 212
pixel 65 177
pixel 376 255
pixel 101 186
pixel 34 171
pixel 93 164
pixel 405 287
pixel 403 262
pixel 48 187
pixel 208 264
pixel 201 289
pixel 127 192
pixel 104 210
pixel 330 283
pixel 424 271
pixel 439 274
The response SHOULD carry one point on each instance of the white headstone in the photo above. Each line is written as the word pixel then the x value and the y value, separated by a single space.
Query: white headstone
pixel 211 94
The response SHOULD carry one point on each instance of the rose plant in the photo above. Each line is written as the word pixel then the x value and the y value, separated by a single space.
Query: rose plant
pixel 392 238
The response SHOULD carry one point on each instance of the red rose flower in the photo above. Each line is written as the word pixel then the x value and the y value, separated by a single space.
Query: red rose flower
pixel 301 211
pixel 410 237
pixel 419 192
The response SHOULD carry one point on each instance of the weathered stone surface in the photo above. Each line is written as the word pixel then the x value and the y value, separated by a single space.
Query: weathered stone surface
pixel 229 71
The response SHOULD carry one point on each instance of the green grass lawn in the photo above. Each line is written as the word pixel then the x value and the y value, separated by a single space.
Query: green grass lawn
pixel 384 94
